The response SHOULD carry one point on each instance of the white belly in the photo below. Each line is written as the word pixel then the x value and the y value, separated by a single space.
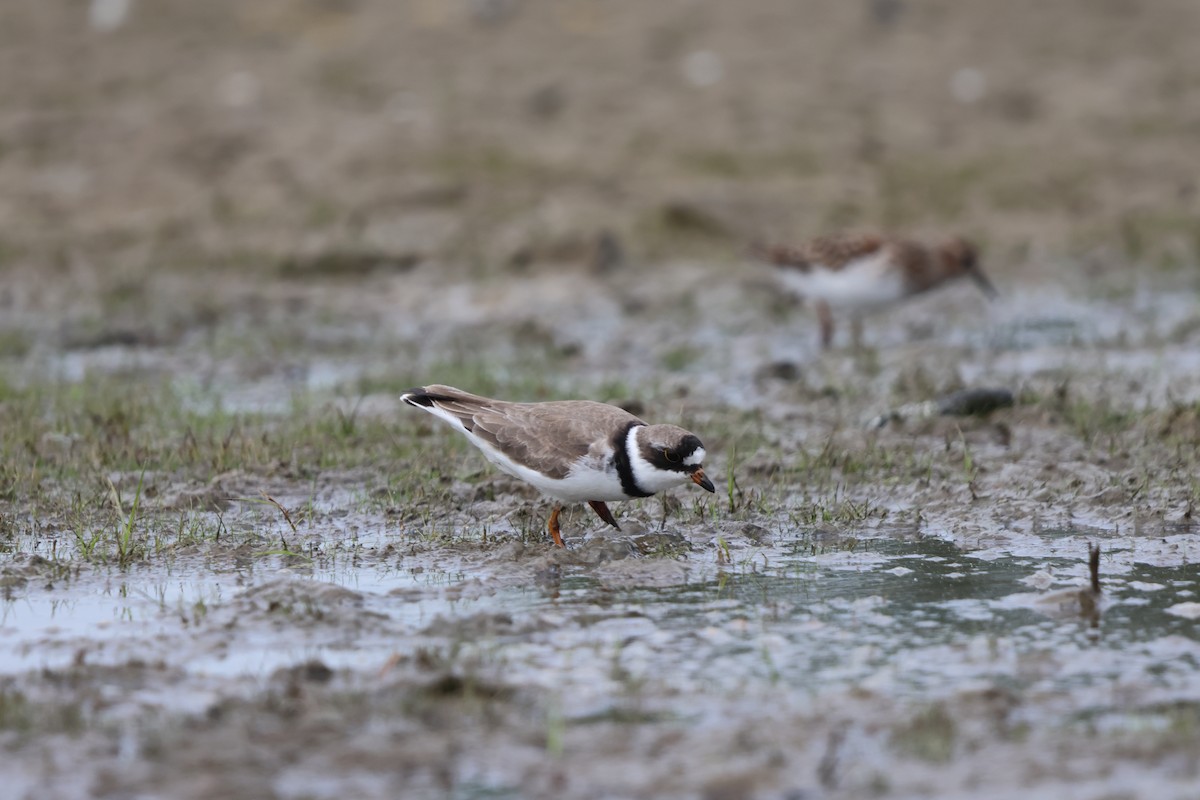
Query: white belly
pixel 589 480
pixel 865 283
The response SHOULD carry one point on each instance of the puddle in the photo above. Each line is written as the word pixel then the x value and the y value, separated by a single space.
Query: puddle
pixel 916 620
pixel 143 613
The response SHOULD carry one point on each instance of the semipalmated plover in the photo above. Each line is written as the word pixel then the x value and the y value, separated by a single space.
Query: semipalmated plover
pixel 571 450
pixel 868 273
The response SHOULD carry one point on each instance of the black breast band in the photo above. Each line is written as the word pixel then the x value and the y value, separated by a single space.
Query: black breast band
pixel 620 445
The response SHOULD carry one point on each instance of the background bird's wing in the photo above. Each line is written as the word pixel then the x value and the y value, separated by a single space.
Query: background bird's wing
pixel 830 252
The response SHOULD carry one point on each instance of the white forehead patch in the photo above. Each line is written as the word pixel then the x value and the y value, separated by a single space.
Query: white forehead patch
pixel 695 458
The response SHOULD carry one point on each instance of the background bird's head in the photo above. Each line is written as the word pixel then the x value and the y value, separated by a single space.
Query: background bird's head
pixel 961 257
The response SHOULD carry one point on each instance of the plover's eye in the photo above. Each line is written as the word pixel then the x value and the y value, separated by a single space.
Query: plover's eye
pixel 671 456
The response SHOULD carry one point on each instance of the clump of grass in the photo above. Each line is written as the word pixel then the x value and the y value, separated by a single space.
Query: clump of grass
pixel 741 164
pixel 683 228
pixel 128 548
pixel 555 729
pixel 285 549
pixel 723 554
pixel 930 735
pixel 26 717
pixel 731 488
pixel 1091 416
pixel 66 444
pixel 680 358
pixel 1162 238
pixel 833 511
pixel 14 344
pixel 970 470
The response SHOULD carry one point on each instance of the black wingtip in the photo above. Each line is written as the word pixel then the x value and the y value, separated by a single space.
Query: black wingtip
pixel 417 397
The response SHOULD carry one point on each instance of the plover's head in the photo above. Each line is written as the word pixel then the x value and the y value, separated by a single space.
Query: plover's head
pixel 666 456
pixel 959 257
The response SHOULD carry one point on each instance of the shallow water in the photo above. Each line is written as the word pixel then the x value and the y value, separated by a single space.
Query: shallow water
pixel 917 619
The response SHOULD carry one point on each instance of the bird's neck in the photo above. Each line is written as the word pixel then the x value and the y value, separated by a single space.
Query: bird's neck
pixel 627 458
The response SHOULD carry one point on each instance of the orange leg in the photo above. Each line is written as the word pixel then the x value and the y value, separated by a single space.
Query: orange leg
pixel 552 525
pixel 825 318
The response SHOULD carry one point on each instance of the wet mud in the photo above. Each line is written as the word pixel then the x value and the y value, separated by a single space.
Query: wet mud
pixel 233 564
pixel 905 625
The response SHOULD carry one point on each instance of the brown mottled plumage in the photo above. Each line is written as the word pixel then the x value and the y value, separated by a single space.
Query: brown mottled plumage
pixel 867 272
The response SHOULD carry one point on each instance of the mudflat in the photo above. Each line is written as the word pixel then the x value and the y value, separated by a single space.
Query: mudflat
pixel 234 564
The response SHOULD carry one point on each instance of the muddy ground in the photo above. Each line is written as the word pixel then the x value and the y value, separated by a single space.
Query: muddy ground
pixel 233 565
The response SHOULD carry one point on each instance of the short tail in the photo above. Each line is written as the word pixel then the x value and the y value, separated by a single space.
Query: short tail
pixel 428 396
pixel 419 397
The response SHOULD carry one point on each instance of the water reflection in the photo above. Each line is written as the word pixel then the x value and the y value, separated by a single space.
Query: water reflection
pixel 913 617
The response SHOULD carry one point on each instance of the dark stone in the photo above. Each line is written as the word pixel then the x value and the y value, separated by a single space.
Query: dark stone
pixel 974 402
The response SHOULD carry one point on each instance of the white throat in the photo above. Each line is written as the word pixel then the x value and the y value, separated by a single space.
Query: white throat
pixel 648 477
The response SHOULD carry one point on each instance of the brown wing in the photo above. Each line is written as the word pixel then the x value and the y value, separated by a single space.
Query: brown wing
pixel 832 252
pixel 918 266
pixel 547 437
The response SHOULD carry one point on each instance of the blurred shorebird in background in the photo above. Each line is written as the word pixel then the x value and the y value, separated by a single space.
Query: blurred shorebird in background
pixel 859 274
